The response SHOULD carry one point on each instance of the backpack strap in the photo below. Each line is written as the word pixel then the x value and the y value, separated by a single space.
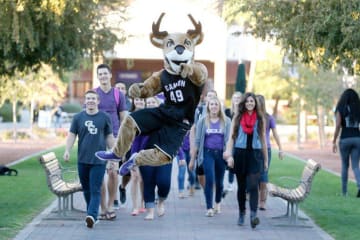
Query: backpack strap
pixel 117 96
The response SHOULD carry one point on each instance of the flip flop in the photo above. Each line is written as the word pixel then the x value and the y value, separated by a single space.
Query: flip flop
pixel 110 215
pixel 102 216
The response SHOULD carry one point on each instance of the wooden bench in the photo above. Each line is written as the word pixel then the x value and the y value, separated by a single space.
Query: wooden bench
pixel 296 195
pixel 63 189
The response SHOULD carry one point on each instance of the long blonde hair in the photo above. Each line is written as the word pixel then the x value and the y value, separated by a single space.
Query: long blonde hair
pixel 221 113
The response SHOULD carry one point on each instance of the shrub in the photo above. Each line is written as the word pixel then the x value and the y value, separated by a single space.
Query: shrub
pixel 72 107
pixel 6 112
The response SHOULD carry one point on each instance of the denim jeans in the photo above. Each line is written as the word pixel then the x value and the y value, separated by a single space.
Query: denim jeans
pixel 349 148
pixel 159 177
pixel 182 172
pixel 91 178
pixel 191 174
pixel 264 175
pixel 214 169
pixel 181 176
pixel 231 176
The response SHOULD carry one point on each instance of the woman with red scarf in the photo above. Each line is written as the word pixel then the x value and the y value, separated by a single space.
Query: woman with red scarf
pixel 246 152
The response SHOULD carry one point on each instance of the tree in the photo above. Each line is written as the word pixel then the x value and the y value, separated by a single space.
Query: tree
pixel 56 32
pixel 42 87
pixel 323 32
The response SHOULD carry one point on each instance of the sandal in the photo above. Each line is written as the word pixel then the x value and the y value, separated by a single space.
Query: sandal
pixel 102 216
pixel 110 215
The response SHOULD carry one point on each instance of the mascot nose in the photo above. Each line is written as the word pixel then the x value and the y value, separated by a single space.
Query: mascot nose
pixel 179 49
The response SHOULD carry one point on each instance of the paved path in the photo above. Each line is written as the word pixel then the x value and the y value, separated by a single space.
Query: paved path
pixel 184 219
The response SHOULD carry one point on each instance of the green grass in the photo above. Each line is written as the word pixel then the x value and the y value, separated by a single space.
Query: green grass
pixel 337 215
pixel 23 197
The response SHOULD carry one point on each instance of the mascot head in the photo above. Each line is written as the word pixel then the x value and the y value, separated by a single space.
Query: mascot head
pixel 177 47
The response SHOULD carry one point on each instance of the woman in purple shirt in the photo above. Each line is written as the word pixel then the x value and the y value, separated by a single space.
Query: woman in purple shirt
pixel 212 133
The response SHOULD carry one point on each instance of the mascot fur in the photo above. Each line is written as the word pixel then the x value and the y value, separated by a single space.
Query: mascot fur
pixel 181 80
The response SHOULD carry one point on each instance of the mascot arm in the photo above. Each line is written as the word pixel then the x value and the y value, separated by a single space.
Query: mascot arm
pixel 196 72
pixel 150 87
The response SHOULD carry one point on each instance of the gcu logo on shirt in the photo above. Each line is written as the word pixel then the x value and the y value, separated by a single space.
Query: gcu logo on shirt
pixel 213 130
pixel 91 127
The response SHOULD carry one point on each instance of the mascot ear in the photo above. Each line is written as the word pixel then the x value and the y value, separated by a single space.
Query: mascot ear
pixel 195 34
pixel 157 37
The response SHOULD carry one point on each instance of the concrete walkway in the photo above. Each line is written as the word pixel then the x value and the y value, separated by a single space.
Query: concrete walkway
pixel 184 219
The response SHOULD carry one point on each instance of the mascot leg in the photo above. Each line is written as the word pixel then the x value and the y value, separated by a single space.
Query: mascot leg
pixel 126 135
pixel 152 157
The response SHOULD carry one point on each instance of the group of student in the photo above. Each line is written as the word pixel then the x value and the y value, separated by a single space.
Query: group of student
pixel 236 139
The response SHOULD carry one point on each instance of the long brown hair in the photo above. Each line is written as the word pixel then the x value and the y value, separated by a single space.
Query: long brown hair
pixel 242 109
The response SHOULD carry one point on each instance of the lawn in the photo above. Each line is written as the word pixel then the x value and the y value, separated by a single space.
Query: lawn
pixel 337 215
pixel 25 196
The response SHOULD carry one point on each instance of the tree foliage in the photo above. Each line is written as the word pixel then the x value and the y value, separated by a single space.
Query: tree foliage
pixel 55 32
pixel 322 32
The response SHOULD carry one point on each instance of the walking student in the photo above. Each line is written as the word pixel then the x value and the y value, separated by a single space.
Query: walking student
pixel 246 152
pixel 212 133
pixel 348 121
pixel 270 125
pixel 94 130
pixel 112 101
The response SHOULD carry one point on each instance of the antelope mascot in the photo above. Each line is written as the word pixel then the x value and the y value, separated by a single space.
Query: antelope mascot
pixel 181 80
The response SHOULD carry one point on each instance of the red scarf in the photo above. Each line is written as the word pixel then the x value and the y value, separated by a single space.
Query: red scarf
pixel 248 121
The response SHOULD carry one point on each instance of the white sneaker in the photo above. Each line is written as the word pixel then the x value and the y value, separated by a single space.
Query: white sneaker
pixel 217 209
pixel 90 221
pixel 209 213
pixel 230 187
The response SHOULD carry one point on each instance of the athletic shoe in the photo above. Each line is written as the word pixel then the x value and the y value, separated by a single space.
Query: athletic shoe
pixel 241 219
pixel 90 221
pixel 116 204
pixel 217 208
pixel 107 155
pixel 209 213
pixel 122 192
pixel 254 220
pixel 126 167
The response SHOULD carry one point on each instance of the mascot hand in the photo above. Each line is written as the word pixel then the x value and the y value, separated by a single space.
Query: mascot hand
pixel 135 90
pixel 186 70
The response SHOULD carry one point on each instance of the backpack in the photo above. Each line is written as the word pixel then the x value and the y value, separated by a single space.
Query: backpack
pixel 7 171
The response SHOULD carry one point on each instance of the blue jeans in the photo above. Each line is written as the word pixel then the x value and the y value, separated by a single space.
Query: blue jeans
pixel 264 175
pixel 182 170
pixel 181 176
pixel 91 177
pixel 214 170
pixel 349 148
pixel 159 177
pixel 191 174
pixel 231 176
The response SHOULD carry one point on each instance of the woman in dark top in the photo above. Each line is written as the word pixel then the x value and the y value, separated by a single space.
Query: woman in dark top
pixel 347 114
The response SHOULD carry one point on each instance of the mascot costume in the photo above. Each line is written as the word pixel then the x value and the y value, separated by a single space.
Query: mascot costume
pixel 181 81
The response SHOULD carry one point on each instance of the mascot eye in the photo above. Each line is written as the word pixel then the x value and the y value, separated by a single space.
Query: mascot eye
pixel 170 43
pixel 187 42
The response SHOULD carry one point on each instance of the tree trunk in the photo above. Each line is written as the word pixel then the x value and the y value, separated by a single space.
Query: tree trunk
pixel 276 106
pixel 14 119
pixel 321 124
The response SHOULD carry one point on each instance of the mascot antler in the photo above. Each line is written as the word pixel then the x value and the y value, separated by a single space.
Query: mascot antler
pixel 157 36
pixel 156 29
pixel 197 32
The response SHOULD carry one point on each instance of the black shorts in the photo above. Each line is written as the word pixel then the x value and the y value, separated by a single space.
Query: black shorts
pixel 164 133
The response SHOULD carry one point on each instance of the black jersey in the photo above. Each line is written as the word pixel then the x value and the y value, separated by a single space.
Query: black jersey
pixel 181 96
